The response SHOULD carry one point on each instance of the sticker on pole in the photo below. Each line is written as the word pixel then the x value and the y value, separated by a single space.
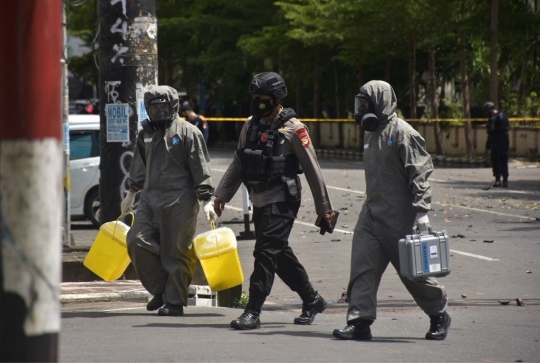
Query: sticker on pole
pixel 117 122
pixel 141 112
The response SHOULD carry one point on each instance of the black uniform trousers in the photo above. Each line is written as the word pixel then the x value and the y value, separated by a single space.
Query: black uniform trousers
pixel 273 255
pixel 499 156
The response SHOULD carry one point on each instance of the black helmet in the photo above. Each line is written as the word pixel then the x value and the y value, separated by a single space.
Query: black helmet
pixel 268 83
pixel 488 106
pixel 184 106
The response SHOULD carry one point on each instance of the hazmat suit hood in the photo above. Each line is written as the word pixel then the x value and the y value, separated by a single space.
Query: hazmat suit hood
pixel 383 99
pixel 161 95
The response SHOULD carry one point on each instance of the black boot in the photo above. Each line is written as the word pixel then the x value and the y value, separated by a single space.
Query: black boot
pixel 497 183
pixel 356 329
pixel 171 310
pixel 155 303
pixel 250 318
pixel 247 321
pixel 310 310
pixel 505 183
pixel 438 328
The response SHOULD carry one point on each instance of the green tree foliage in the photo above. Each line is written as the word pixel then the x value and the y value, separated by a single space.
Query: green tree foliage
pixel 325 49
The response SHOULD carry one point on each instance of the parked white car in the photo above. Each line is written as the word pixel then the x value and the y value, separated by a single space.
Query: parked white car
pixel 84 149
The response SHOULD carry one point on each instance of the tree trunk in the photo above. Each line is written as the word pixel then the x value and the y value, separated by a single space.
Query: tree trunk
pixel 361 78
pixel 298 108
pixel 522 92
pixel 317 100
pixel 412 82
pixel 493 52
pixel 434 104
pixel 388 70
pixel 340 124
pixel 466 97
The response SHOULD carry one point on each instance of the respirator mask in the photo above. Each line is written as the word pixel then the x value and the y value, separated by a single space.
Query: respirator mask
pixel 365 116
pixel 261 107
pixel 160 112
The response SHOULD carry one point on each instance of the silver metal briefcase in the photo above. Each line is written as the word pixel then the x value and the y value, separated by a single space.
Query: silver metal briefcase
pixel 422 256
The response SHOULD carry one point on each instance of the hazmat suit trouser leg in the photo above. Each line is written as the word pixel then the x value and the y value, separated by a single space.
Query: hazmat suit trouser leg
pixel 369 259
pixel 166 270
pixel 273 255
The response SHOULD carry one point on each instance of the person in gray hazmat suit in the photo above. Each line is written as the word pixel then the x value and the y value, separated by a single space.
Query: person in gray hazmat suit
pixel 171 169
pixel 397 167
pixel 274 147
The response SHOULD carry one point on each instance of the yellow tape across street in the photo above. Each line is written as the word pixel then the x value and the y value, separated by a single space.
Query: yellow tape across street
pixel 511 119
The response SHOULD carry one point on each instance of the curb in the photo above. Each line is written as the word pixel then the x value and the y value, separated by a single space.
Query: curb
pixel 133 296
pixel 198 296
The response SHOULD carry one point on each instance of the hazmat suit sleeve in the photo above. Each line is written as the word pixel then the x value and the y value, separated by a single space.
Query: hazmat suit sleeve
pixel 199 165
pixel 232 179
pixel 304 151
pixel 137 170
pixel 418 166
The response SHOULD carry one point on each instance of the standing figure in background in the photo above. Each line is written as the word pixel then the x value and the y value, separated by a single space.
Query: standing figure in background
pixel 195 119
pixel 498 142
pixel 275 147
pixel 397 168
pixel 171 168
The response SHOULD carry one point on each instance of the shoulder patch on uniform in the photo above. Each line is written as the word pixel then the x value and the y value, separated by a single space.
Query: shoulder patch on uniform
pixel 175 140
pixel 303 136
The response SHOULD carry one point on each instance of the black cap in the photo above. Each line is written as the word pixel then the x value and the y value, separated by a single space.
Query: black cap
pixel 488 106
pixel 184 106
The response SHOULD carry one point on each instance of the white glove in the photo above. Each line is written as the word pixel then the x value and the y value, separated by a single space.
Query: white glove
pixel 422 221
pixel 209 211
pixel 128 202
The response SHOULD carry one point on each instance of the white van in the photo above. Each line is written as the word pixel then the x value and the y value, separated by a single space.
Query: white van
pixel 84 149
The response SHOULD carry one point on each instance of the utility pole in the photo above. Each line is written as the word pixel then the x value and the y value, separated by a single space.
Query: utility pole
pixel 127 67
pixel 31 168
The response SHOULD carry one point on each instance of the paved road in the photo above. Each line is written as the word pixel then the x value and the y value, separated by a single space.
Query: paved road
pixel 495 257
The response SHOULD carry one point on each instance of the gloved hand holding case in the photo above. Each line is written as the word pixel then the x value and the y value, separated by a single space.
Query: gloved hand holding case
pixel 324 226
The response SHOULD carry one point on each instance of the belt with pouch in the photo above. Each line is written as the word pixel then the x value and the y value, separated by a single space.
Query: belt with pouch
pixel 262 187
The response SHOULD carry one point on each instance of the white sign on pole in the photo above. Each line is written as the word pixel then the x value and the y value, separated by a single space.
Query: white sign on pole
pixel 141 111
pixel 117 122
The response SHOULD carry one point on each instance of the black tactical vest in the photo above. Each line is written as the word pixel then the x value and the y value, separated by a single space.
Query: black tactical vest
pixel 260 161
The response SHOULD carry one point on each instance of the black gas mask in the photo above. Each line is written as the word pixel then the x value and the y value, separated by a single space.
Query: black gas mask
pixel 160 112
pixel 365 116
pixel 262 107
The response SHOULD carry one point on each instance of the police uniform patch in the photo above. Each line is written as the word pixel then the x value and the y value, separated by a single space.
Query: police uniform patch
pixel 303 136
pixel 389 143
pixel 175 140
pixel 282 130
pixel 264 136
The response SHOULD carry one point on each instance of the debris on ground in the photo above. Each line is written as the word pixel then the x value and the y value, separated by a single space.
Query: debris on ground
pixel 343 299
pixel 520 302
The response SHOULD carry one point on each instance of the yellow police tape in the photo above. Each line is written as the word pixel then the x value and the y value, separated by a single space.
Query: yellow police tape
pixel 511 119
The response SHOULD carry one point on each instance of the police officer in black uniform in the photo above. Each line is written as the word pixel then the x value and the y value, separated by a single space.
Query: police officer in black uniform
pixel 275 147
pixel 195 119
pixel 498 142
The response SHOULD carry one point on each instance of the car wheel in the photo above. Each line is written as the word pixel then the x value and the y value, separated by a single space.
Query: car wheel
pixel 92 207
